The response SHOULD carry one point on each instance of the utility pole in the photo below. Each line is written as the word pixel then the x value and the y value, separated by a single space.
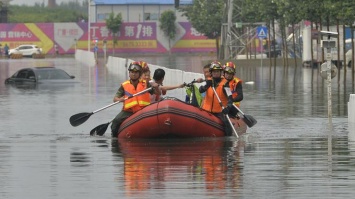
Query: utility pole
pixel 89 39
pixel 227 48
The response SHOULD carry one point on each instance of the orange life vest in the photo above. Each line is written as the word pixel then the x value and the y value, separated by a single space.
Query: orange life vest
pixel 232 85
pixel 210 102
pixel 136 103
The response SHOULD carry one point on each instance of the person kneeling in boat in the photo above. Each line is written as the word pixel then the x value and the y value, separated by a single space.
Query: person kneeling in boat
pixel 128 88
pixel 211 103
pixel 235 86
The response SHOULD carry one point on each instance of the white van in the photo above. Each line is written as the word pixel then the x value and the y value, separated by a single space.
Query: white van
pixel 349 53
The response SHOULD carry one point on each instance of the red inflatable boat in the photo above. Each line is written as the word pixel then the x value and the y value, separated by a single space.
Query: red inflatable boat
pixel 171 117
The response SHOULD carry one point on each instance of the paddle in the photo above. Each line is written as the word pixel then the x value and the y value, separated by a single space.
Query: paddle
pixel 227 116
pixel 80 118
pixel 248 119
pixel 100 130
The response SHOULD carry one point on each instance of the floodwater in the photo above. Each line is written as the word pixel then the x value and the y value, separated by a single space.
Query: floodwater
pixel 294 151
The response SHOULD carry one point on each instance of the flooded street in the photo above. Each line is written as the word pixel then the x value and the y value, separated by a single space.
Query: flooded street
pixel 292 152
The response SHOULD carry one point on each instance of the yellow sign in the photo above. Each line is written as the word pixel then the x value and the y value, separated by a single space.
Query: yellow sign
pixel 205 43
pixel 45 42
pixel 137 44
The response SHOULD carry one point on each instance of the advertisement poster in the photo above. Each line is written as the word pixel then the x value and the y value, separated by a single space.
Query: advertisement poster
pixel 132 38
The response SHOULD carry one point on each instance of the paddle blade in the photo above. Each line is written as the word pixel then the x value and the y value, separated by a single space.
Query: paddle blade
pixel 100 130
pixel 79 118
pixel 249 120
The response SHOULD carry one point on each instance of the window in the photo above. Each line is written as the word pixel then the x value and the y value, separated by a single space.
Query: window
pixel 151 16
pixel 22 74
pixel 102 17
pixel 31 75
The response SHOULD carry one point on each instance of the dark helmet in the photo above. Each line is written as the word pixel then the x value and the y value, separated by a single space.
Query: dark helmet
pixel 215 66
pixel 229 67
pixel 135 66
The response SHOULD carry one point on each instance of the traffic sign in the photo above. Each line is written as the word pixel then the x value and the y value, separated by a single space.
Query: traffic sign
pixel 261 32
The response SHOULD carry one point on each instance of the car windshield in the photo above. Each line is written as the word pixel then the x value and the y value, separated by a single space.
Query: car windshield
pixel 52 74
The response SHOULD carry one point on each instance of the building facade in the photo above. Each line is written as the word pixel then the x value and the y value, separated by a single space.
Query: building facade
pixel 139 32
pixel 134 10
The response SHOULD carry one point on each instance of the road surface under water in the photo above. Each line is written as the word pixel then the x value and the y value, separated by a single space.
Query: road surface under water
pixel 292 152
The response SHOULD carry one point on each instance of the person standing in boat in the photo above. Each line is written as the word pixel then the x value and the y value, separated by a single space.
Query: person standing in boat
pixel 128 88
pixel 158 78
pixel 235 85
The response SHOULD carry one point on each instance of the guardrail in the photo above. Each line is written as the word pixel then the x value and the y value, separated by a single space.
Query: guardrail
pixel 85 57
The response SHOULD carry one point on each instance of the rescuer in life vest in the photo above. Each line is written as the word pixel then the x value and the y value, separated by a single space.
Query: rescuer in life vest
pixel 128 88
pixel 210 103
pixel 235 86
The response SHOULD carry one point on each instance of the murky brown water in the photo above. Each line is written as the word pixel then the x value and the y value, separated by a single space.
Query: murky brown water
pixel 288 154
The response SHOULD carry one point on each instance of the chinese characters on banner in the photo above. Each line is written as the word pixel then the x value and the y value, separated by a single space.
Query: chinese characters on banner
pixel 132 37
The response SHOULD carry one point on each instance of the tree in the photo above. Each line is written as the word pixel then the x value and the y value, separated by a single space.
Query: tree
pixel 113 24
pixel 206 17
pixel 65 12
pixel 167 25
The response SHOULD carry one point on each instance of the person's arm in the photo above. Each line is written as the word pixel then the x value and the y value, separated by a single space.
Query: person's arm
pixel 203 89
pixel 119 96
pixel 156 88
pixel 227 91
pixel 239 90
pixel 167 88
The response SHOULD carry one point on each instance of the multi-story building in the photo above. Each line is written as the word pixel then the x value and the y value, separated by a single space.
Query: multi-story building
pixel 135 10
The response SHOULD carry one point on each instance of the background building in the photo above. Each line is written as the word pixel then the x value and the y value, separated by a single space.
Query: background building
pixel 139 32
pixel 134 10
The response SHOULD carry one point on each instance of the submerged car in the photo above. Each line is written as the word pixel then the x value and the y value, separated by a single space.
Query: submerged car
pixel 40 75
pixel 26 50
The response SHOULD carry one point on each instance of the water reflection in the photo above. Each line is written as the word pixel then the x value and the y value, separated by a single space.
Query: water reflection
pixel 351 138
pixel 198 163
pixel 288 154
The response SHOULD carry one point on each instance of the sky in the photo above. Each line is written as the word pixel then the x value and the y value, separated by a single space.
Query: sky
pixel 32 2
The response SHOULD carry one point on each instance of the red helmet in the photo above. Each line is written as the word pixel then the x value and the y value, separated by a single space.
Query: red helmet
pixel 215 66
pixel 229 67
pixel 135 66
pixel 144 65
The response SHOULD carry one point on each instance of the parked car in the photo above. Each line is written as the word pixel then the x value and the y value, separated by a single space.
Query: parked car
pixel 26 50
pixel 273 52
pixel 39 75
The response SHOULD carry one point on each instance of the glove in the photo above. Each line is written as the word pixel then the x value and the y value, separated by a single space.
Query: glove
pixel 208 84
pixel 226 110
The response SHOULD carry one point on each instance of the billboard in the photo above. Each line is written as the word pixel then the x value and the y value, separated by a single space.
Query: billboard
pixel 133 37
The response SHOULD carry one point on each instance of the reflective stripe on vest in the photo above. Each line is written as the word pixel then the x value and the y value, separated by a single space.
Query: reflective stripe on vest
pixel 136 103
